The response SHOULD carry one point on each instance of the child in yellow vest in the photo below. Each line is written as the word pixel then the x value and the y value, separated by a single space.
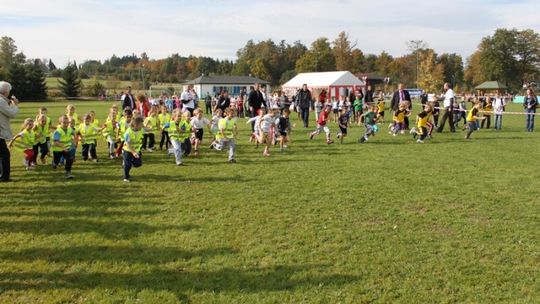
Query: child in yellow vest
pixel 64 144
pixel 72 115
pixel 88 132
pixel 123 126
pixel 42 130
pixel 110 129
pixel 164 118
pixel 132 146
pixel 25 140
pixel 227 134
pixel 151 127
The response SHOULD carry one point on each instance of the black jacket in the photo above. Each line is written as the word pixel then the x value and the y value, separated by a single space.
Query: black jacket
pixel 223 103
pixel 256 100
pixel 369 97
pixel 128 102
pixel 304 99
pixel 395 99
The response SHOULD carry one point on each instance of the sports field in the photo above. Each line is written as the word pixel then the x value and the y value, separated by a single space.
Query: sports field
pixel 449 221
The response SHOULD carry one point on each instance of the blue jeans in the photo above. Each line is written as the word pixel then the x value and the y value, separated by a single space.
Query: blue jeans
pixel 130 161
pixel 498 121
pixel 530 119
pixel 305 117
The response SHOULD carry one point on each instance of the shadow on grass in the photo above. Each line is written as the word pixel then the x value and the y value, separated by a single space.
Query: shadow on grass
pixel 77 213
pixel 107 228
pixel 246 280
pixel 149 255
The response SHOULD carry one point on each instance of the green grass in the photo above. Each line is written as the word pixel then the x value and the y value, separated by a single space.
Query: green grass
pixel 449 221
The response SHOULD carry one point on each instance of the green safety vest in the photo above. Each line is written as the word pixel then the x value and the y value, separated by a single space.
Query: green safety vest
pixel 109 129
pixel 228 126
pixel 153 121
pixel 173 132
pixel 42 132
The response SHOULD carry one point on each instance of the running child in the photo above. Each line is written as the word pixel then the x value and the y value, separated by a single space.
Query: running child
pixel 132 147
pixel 26 139
pixel 256 135
pixel 42 131
pixel 227 133
pixel 64 144
pixel 472 119
pixel 164 118
pixel 380 111
pixel 88 132
pixel 322 126
pixel 343 123
pixel 284 128
pixel 72 115
pixel 357 104
pixel 123 126
pixel 398 120
pixel 110 129
pixel 150 129
pixel 198 122
pixel 422 120
pixel 370 123
pixel 266 129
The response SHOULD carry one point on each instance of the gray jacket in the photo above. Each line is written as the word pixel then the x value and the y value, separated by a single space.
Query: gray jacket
pixel 7 111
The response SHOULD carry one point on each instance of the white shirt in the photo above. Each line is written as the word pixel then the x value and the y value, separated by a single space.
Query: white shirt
pixel 197 123
pixel 187 95
pixel 498 105
pixel 267 122
pixel 448 96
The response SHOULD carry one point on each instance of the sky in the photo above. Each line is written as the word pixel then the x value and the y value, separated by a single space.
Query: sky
pixel 67 30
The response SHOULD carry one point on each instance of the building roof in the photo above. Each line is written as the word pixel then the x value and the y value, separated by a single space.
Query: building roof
pixel 234 80
pixel 324 80
pixel 491 85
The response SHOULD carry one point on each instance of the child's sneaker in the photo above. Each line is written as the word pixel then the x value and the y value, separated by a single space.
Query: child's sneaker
pixel 126 180
pixel 329 142
pixel 311 136
pixel 420 141
pixel 69 175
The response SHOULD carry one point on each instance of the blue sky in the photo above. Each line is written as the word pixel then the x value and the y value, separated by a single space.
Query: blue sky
pixel 95 29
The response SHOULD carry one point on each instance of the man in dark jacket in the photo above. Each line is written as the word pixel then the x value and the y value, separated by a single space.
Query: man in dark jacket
pixel 128 101
pixel 256 103
pixel 224 102
pixel 399 96
pixel 303 99
pixel 369 96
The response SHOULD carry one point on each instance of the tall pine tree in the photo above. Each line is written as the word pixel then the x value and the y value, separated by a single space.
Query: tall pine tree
pixel 36 80
pixel 70 84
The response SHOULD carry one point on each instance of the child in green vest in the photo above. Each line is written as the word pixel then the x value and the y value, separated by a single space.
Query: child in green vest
pixel 132 146
pixel 151 127
pixel 88 132
pixel 25 141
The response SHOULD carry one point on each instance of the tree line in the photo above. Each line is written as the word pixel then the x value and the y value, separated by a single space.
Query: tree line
pixel 510 56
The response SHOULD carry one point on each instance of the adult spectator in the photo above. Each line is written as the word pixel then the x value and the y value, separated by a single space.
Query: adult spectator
pixel 208 103
pixel 368 99
pixel 224 102
pixel 256 103
pixel 303 99
pixel 400 96
pixel 8 110
pixel 530 103
pixel 188 99
pixel 448 105
pixel 128 101
pixel 322 97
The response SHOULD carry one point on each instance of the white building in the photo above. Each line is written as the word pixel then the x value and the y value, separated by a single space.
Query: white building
pixel 232 84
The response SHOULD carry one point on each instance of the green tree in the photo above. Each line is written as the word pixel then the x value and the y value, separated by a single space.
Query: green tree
pixel 70 84
pixel 384 64
pixel 498 58
pixel 51 65
pixel 8 50
pixel 452 68
pixel 473 73
pixel 261 70
pixel 527 51
pixel 36 80
pixel 342 49
pixel 430 73
pixel 319 58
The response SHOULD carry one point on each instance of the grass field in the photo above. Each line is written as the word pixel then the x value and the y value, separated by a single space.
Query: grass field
pixel 450 221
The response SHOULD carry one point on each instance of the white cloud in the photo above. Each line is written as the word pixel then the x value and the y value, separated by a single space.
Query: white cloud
pixel 95 29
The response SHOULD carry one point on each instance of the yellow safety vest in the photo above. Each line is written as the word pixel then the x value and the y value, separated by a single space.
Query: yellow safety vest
pixel 228 126
pixel 163 119
pixel 27 140
pixel 422 121
pixel 110 129
pixel 88 133
pixel 135 140
pixel 66 139
pixel 153 122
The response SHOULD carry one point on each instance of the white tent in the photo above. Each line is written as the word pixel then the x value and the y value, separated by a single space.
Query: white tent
pixel 335 83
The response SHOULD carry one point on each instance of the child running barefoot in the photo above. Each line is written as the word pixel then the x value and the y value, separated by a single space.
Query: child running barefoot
pixel 322 126
pixel 197 125
pixel 26 143
pixel 64 144
pixel 164 118
pixel 422 123
pixel 88 132
pixel 370 123
pixel 343 123
pixel 284 128
pixel 110 129
pixel 132 147
pixel 151 127
pixel 228 133
pixel 266 127
pixel 472 119
pixel 42 132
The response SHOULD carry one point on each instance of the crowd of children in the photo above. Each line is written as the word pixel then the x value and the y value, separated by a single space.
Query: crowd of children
pixel 130 133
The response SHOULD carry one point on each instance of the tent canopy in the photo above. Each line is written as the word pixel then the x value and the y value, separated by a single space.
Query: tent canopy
pixel 491 85
pixel 324 80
